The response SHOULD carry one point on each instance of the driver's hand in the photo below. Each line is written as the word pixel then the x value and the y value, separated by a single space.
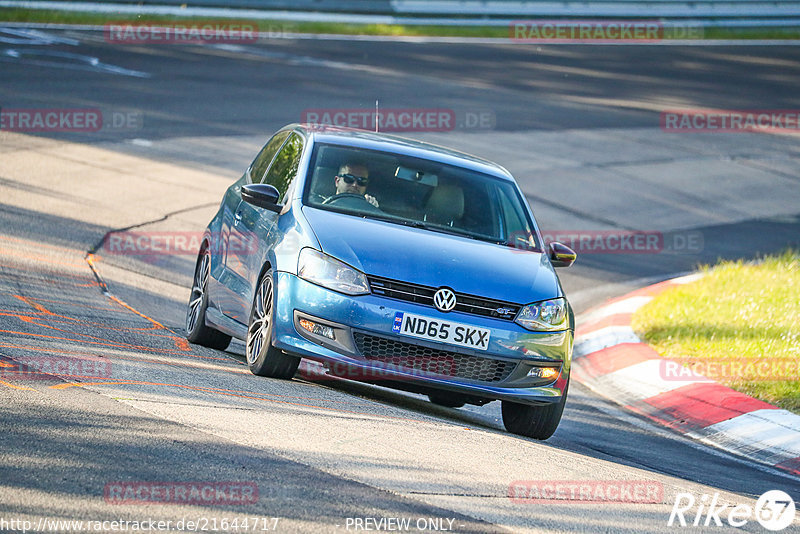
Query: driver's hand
pixel 372 200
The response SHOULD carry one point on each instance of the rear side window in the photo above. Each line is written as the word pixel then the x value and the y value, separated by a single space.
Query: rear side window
pixel 262 161
pixel 284 168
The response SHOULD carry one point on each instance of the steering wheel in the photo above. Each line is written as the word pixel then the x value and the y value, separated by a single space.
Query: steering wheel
pixel 346 198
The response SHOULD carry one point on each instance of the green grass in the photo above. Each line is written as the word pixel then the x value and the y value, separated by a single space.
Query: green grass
pixel 738 312
pixel 272 26
pixel 752 33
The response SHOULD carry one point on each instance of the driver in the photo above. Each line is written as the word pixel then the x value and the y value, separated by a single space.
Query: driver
pixel 353 178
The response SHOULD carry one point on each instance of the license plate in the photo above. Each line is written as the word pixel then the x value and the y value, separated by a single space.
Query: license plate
pixel 432 329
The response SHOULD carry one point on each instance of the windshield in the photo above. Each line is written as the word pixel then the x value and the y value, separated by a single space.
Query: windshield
pixel 420 193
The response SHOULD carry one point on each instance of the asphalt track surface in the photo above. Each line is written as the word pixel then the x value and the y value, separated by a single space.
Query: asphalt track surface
pixel 578 126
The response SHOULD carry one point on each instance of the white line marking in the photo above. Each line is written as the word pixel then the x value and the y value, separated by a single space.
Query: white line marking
pixel 604 338
pixel 65 60
pixel 688 279
pixel 771 434
pixel 643 380
pixel 628 305
pixel 32 37
pixel 608 405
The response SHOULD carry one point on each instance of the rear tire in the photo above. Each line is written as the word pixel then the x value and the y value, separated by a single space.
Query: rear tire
pixel 262 358
pixel 196 330
pixel 450 400
pixel 538 422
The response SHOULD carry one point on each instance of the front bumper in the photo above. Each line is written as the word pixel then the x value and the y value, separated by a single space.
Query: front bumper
pixel 519 353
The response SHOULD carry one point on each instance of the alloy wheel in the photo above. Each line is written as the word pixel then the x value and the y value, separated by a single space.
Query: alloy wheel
pixel 199 286
pixel 262 319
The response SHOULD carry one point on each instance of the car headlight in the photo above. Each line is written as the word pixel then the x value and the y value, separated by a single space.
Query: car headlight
pixel 331 273
pixel 547 315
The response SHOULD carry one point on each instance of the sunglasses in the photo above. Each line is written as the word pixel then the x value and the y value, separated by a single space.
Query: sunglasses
pixel 351 178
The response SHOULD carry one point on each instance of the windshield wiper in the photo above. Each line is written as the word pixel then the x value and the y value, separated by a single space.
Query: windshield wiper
pixel 432 227
pixel 453 231
pixel 440 229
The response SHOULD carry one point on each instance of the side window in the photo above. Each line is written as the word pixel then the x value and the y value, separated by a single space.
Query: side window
pixel 511 219
pixel 518 233
pixel 262 161
pixel 284 168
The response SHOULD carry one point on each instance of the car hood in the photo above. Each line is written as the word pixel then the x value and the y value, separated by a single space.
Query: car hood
pixel 428 258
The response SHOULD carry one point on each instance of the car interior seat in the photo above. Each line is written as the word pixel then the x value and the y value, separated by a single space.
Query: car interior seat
pixel 446 205
pixel 322 183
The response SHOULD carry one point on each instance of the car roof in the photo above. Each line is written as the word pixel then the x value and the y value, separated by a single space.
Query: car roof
pixel 400 145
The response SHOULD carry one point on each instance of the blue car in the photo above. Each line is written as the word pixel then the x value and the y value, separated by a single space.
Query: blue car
pixel 390 261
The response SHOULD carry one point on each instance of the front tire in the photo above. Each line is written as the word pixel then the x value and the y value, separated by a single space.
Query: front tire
pixel 538 422
pixel 262 358
pixel 196 330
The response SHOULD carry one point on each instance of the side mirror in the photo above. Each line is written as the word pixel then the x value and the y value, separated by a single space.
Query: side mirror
pixel 561 255
pixel 263 196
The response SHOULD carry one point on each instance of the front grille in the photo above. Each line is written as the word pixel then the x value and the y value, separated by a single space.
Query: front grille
pixel 424 295
pixel 408 356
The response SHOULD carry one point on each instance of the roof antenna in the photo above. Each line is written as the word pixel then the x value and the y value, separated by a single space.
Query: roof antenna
pixel 376 115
